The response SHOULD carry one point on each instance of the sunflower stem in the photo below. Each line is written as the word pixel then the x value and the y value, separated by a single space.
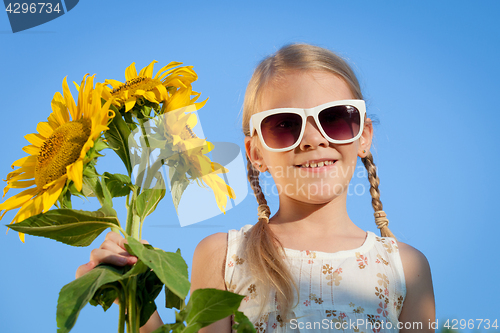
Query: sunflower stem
pixel 146 151
pixel 122 318
pixel 152 172
pixel 133 312
pixel 132 228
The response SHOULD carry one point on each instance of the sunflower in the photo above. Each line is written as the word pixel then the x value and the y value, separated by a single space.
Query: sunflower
pixel 57 153
pixel 178 130
pixel 155 89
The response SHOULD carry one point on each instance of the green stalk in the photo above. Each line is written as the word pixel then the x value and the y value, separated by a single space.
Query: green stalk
pixel 132 228
pixel 146 151
pixel 121 318
pixel 132 307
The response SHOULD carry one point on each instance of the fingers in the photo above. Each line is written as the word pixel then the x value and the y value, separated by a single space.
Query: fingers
pixel 84 269
pixel 112 251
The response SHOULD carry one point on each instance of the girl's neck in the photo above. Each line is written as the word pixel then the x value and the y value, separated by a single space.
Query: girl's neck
pixel 329 218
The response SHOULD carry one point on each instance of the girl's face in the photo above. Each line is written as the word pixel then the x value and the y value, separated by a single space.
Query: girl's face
pixel 293 180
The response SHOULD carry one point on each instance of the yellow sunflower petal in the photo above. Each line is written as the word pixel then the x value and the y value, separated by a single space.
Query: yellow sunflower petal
pixel 176 139
pixel 129 104
pixel 162 94
pixel 148 70
pixel 59 110
pixel 113 83
pixel 22 184
pixel 25 161
pixel 32 150
pixel 171 65
pixel 130 72
pixel 30 208
pixel 24 175
pixel 220 189
pixel 18 200
pixel 35 139
pixel 23 169
pixel 69 101
pixel 150 96
pixel 139 92
pixel 75 172
pixel 44 129
pixel 199 105
pixel 51 195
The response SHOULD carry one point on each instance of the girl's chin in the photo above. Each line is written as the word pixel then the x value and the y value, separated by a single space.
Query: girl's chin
pixel 315 196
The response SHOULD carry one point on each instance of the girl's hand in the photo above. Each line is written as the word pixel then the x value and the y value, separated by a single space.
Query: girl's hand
pixel 112 251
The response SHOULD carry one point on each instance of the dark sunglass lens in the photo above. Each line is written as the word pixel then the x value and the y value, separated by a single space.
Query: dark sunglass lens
pixel 340 122
pixel 281 130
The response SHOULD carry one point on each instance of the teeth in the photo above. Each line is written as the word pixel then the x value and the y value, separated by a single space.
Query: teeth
pixel 317 165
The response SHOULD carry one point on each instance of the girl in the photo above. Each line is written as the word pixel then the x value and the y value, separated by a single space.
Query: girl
pixel 307 268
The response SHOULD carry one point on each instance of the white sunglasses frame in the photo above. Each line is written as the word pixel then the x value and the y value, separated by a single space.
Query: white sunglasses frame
pixel 256 120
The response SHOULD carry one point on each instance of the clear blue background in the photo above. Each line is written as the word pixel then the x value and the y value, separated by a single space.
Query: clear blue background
pixel 429 71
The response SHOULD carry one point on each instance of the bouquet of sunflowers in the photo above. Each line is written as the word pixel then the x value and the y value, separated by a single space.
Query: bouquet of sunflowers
pixel 148 122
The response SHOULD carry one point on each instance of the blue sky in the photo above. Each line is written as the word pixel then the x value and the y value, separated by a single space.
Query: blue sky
pixel 429 72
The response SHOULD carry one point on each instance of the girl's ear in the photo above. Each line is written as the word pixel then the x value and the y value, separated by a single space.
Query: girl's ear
pixel 365 141
pixel 254 154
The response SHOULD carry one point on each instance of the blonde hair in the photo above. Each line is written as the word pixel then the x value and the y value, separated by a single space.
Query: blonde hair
pixel 263 250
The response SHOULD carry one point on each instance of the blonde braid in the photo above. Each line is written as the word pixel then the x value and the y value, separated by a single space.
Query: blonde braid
pixel 380 216
pixel 264 251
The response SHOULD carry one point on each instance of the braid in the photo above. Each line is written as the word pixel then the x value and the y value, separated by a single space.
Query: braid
pixel 380 216
pixel 264 251
pixel 253 177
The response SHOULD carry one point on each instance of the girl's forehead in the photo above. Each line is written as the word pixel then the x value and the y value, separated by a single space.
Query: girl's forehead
pixel 303 89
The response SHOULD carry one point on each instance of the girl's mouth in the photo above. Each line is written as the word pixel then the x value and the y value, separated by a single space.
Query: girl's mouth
pixel 316 165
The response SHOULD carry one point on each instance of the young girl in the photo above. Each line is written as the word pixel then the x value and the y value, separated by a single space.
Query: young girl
pixel 307 268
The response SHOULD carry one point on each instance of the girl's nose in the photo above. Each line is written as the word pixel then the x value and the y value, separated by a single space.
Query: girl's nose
pixel 312 136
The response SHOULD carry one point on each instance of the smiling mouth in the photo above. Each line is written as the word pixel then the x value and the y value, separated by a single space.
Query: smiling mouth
pixel 316 165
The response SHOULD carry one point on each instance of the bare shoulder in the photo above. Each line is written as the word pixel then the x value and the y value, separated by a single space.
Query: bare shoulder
pixel 208 272
pixel 208 262
pixel 415 264
pixel 419 304
pixel 215 242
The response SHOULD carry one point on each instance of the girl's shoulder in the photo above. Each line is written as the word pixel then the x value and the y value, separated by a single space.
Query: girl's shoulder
pixel 419 305
pixel 208 262
pixel 415 264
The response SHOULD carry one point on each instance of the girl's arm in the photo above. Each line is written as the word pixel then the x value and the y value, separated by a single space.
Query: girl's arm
pixel 419 306
pixel 112 251
pixel 208 272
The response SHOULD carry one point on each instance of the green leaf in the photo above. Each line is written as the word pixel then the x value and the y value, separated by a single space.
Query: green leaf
pixel 92 187
pixel 117 136
pixel 118 185
pixel 100 145
pixel 72 227
pixel 207 306
pixel 178 188
pixel 170 267
pixel 107 199
pixel 170 328
pixel 244 325
pixel 106 295
pixel 148 288
pixel 76 294
pixel 173 301
pixel 147 201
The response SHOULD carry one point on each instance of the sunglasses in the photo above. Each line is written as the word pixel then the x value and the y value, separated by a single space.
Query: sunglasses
pixel 283 129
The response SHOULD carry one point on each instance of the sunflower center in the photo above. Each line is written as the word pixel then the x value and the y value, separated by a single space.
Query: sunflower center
pixel 61 149
pixel 140 82
pixel 187 133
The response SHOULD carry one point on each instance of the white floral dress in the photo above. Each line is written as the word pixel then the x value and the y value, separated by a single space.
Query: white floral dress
pixel 360 290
